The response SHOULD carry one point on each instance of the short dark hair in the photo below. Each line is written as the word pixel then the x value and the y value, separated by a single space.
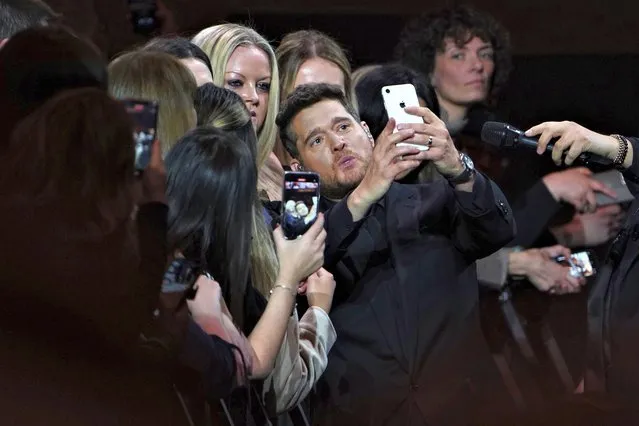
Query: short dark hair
pixel 19 15
pixel 424 36
pixel 180 48
pixel 303 97
pixel 369 93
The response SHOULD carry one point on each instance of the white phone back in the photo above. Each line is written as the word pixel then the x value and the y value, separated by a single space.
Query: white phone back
pixel 398 97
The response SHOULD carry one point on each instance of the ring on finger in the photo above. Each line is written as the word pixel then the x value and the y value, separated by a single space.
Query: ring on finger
pixel 430 140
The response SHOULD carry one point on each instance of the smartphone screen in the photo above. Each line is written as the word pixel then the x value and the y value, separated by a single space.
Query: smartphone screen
pixel 143 14
pixel 145 119
pixel 583 262
pixel 300 202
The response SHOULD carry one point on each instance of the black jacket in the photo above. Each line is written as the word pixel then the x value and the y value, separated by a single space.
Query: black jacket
pixel 409 348
pixel 613 309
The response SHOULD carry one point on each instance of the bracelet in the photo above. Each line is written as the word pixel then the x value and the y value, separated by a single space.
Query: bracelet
pixel 623 151
pixel 293 292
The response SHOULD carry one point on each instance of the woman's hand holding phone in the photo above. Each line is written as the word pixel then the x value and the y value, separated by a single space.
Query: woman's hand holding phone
pixel 301 257
pixel 153 180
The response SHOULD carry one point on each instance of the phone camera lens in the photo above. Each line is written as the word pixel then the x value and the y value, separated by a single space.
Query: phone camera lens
pixel 387 90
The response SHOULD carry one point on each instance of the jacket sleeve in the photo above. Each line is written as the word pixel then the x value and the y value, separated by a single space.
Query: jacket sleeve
pixel 212 358
pixel 302 359
pixel 482 219
pixel 632 173
pixel 533 210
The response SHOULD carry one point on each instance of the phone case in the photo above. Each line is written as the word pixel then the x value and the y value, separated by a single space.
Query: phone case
pixel 398 97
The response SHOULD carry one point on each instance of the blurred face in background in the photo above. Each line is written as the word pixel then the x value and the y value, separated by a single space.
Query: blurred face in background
pixel 318 70
pixel 248 73
pixel 462 75
pixel 199 69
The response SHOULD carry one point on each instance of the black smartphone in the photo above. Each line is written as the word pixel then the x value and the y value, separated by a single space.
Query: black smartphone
pixel 300 201
pixel 145 121
pixel 582 264
pixel 144 17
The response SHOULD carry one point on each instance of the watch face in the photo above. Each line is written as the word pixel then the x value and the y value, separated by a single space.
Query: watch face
pixel 468 162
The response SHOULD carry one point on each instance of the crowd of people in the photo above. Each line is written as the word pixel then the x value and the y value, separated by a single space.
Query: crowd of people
pixel 418 292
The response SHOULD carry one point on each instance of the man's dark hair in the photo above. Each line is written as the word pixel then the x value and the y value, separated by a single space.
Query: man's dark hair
pixel 423 37
pixel 303 97
pixel 18 15
pixel 180 48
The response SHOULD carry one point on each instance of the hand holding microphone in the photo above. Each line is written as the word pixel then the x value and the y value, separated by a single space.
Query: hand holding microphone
pixel 561 139
pixel 574 140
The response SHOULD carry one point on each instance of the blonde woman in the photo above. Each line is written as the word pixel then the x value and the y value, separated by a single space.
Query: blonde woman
pixel 310 56
pixel 157 76
pixel 244 62
pixel 303 355
pixel 306 57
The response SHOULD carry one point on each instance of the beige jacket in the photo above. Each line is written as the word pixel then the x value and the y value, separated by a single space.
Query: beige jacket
pixel 301 361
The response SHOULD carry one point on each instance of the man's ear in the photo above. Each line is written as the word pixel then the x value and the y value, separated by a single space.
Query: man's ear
pixel 296 166
pixel 368 132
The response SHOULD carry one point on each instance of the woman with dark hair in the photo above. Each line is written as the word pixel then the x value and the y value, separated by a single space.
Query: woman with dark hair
pixel 188 53
pixel 212 190
pixel 303 355
pixel 38 63
pixel 464 54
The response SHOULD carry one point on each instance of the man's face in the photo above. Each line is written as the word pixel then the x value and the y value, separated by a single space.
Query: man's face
pixel 334 145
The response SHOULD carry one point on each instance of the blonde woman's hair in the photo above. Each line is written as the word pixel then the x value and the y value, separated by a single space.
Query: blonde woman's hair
pixel 300 46
pixel 219 42
pixel 157 76
pixel 224 109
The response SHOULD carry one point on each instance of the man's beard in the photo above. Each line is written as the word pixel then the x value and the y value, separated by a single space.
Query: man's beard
pixel 336 191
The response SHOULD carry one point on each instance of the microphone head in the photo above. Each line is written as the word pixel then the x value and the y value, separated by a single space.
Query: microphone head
pixel 500 135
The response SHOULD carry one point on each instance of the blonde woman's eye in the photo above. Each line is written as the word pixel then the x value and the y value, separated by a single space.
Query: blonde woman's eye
pixel 264 86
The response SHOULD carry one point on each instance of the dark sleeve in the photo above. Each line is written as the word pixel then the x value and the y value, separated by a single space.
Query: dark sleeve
pixel 482 219
pixel 533 210
pixel 211 358
pixel 632 173
pixel 340 231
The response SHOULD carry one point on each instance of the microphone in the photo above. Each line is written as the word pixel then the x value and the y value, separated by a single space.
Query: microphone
pixel 505 136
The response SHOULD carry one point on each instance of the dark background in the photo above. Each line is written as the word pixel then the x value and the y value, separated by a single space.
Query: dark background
pixel 574 59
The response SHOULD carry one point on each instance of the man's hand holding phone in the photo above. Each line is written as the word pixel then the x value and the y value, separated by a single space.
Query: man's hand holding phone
pixel 389 161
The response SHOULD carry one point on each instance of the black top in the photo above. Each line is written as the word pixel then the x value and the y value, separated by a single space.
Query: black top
pixel 409 349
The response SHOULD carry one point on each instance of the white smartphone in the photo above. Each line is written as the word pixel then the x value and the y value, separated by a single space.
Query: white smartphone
pixel 398 97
